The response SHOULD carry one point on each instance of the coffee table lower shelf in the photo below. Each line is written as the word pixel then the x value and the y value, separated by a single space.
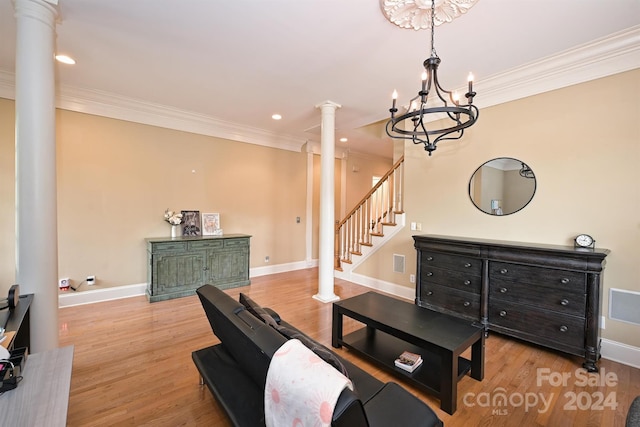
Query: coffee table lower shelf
pixel 384 349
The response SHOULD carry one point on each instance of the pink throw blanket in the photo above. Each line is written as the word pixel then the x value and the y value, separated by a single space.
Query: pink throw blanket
pixel 302 389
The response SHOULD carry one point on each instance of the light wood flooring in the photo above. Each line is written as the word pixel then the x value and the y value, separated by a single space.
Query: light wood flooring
pixel 132 365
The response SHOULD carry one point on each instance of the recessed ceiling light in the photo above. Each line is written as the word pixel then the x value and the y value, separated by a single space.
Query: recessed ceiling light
pixel 343 139
pixel 276 117
pixel 65 59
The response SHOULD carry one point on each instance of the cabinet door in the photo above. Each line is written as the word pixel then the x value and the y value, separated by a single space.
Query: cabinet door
pixel 227 266
pixel 177 272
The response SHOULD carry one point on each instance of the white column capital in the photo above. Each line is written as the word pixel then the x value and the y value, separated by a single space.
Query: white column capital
pixel 328 104
pixel 44 11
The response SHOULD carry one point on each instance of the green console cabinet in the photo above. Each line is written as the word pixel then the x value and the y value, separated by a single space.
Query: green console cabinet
pixel 178 266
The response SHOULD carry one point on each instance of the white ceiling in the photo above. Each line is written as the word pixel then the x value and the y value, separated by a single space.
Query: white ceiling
pixel 234 63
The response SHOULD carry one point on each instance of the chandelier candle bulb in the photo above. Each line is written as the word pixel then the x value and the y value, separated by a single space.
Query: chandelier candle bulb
pixel 394 97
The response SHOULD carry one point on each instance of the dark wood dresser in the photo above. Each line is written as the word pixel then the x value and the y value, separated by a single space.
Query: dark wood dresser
pixel 545 294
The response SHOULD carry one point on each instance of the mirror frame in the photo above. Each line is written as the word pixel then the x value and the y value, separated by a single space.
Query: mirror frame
pixel 493 205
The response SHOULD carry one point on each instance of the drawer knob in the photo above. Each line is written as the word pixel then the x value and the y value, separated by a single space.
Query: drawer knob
pixel 503 290
pixel 564 302
pixel 467 265
pixel 429 273
pixel 467 282
pixel 429 258
pixel 564 281
pixel 466 304
pixel 504 271
pixel 563 328
pixel 503 313
pixel 430 293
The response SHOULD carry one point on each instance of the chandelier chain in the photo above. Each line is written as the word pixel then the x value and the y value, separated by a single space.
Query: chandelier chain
pixel 433 25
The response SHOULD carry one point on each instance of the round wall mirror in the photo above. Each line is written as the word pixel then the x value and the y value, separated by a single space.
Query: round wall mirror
pixel 502 186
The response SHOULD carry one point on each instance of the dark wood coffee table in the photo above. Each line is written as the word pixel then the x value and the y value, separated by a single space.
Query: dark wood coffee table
pixel 394 326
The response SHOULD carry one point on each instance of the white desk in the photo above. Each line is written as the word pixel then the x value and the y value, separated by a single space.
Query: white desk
pixel 42 397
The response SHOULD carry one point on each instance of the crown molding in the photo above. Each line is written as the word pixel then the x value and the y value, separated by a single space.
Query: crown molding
pixel 123 108
pixel 610 55
pixel 616 53
pixel 119 107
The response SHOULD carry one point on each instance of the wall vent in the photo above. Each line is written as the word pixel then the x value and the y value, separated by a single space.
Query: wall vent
pixel 398 263
pixel 623 306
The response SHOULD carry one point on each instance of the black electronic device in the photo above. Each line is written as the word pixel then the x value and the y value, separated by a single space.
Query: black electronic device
pixel 8 381
pixel 14 296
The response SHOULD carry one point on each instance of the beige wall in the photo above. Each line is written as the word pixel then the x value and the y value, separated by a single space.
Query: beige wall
pixel 7 196
pixel 116 178
pixel 583 143
pixel 360 172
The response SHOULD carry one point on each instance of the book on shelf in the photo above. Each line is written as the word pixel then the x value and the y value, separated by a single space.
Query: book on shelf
pixel 408 361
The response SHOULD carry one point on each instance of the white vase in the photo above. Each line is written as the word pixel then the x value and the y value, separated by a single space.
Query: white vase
pixel 175 231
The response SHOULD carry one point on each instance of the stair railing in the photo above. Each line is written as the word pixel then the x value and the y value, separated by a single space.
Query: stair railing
pixel 376 209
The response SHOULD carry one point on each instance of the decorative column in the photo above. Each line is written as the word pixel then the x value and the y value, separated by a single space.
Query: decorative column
pixel 327 202
pixel 36 221
pixel 309 207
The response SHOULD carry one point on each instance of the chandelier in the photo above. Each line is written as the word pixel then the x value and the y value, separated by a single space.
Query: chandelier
pixel 442 104
pixel 525 171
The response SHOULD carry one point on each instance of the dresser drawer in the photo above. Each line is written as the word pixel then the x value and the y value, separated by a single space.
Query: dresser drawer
pixel 234 243
pixel 547 325
pixel 539 276
pixel 169 247
pixel 472 266
pixel 561 300
pixel 206 244
pixel 462 280
pixel 465 303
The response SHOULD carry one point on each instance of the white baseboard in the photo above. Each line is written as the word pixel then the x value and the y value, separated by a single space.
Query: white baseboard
pixel 103 294
pixel 91 296
pixel 282 268
pixel 380 285
pixel 620 352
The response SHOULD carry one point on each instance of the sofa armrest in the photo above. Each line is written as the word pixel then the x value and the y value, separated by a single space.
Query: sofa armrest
pixel 349 411
pixel 395 406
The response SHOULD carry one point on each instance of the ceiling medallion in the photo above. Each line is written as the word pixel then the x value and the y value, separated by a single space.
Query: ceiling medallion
pixel 416 14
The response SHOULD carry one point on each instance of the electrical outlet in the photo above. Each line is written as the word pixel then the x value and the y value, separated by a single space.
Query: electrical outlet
pixel 91 280
pixel 64 283
pixel 602 322
pixel 266 259
pixel 412 278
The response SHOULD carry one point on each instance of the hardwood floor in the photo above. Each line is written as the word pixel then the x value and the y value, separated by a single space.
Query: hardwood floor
pixel 132 365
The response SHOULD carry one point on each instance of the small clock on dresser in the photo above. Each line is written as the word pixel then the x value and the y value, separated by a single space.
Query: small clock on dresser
pixel 584 241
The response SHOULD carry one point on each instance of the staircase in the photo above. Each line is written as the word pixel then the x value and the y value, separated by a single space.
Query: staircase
pixel 373 221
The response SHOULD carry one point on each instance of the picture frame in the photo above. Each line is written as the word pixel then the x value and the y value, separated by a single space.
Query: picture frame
pixel 191 225
pixel 211 224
